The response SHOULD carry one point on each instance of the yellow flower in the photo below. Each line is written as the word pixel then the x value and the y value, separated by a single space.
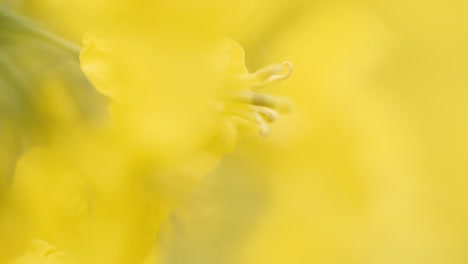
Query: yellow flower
pixel 170 89
pixel 178 98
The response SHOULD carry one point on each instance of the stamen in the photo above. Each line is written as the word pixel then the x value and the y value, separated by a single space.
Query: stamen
pixel 251 115
pixel 267 114
pixel 270 74
pixel 247 107
pixel 241 112
pixel 249 97
pixel 263 128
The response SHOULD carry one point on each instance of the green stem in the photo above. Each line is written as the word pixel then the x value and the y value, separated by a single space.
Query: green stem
pixel 18 23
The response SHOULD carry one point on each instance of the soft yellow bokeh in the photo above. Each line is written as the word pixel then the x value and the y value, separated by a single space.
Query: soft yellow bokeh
pixel 369 167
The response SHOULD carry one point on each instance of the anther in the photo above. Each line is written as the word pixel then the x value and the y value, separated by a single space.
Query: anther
pixel 267 114
pixel 267 75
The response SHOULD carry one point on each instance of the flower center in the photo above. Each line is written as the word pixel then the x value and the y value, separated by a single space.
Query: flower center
pixel 250 107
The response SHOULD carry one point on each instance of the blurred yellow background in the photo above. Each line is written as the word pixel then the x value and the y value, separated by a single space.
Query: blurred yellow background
pixel 369 167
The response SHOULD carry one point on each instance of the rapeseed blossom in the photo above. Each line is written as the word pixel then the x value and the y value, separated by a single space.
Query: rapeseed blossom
pixel 146 144
pixel 172 116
